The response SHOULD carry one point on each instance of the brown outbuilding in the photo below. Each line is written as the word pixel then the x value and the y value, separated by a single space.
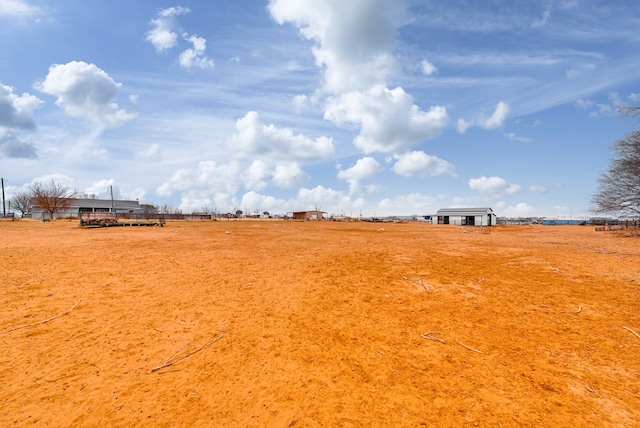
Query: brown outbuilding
pixel 308 215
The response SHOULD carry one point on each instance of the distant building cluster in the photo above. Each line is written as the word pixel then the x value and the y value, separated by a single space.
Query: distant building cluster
pixel 472 216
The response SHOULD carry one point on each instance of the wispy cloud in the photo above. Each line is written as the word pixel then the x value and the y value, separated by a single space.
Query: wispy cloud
pixel 495 121
pixel 17 8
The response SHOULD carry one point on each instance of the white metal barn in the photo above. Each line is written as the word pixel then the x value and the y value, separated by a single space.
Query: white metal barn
pixel 465 216
pixel 83 205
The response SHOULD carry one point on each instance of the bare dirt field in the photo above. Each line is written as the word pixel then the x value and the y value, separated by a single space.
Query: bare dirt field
pixel 309 324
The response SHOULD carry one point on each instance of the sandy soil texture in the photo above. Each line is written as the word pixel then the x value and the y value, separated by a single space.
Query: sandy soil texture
pixel 311 324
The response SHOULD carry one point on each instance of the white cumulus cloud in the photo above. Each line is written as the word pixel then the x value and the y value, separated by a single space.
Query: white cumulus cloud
pixel 388 118
pixel 16 111
pixel 288 175
pixel 256 203
pixel 253 138
pixel 326 199
pixel 521 209
pixel 164 37
pixel 101 189
pixel 353 46
pixel 412 203
pixel 494 186
pixel 209 178
pixel 256 175
pixel 161 35
pixel 85 91
pixel 364 168
pixel 195 56
pixel 353 39
pixel 284 175
pixel 427 68
pixel 421 164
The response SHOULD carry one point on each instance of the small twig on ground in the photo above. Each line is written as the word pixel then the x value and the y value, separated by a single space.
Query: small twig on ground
pixel 579 310
pixel 175 353
pixel 168 363
pixel 552 268
pixel 468 347
pixel 43 321
pixel 430 335
pixel 591 388
pixel 627 328
pixel 419 280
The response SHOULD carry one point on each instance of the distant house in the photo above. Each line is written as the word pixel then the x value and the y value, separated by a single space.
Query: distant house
pixel 83 205
pixel 307 215
pixel 465 216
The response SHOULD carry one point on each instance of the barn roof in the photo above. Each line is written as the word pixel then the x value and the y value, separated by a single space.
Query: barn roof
pixel 104 203
pixel 308 211
pixel 465 211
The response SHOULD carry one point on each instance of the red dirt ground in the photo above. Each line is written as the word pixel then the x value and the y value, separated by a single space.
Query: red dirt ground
pixel 318 324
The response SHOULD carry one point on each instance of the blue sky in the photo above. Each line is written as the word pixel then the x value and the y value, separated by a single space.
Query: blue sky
pixel 360 107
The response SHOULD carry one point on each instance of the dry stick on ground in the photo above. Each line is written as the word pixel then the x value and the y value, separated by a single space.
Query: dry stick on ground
pixel 430 335
pixel 168 363
pixel 627 328
pixel 469 347
pixel 425 286
pixel 552 268
pixel 43 321
pixel 579 310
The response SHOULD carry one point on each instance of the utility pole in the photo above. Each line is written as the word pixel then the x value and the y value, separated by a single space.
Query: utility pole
pixel 113 210
pixel 4 210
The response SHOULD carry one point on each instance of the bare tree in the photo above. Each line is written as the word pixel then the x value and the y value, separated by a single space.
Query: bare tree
pixel 169 209
pixel 52 197
pixel 629 111
pixel 21 201
pixel 149 210
pixel 619 187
